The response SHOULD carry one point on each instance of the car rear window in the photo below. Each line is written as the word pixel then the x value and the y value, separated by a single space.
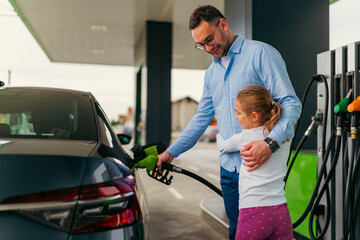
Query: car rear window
pixel 29 113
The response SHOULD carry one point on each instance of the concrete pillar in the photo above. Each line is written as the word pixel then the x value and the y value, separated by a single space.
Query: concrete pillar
pixel 153 56
pixel 158 60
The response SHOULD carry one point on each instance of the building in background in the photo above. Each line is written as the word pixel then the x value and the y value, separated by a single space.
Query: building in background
pixel 182 111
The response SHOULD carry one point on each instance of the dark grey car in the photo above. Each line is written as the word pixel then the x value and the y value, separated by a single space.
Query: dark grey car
pixel 63 172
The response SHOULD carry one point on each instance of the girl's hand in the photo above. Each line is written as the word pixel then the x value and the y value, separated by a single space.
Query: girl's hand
pixel 255 154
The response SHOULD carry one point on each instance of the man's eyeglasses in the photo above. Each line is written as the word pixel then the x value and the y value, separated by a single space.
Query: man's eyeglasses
pixel 209 41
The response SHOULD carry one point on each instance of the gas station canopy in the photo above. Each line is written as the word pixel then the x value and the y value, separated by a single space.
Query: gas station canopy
pixel 106 32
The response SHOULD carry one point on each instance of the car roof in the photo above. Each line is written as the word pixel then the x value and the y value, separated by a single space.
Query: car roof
pixel 47 89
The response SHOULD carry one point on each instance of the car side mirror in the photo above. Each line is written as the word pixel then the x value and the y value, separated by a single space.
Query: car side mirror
pixel 124 139
pixel 2 84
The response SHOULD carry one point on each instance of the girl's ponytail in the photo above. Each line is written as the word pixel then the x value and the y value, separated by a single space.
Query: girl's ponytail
pixel 258 99
pixel 274 116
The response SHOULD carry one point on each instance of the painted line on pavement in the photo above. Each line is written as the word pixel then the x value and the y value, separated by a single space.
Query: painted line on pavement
pixel 193 168
pixel 213 176
pixel 174 192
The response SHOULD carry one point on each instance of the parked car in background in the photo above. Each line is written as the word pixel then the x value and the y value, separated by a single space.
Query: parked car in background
pixel 210 134
pixel 63 172
pixel 126 129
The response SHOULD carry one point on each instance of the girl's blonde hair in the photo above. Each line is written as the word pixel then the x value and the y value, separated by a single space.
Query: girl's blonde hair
pixel 258 99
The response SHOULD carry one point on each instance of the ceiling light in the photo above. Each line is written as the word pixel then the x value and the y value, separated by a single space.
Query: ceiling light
pixel 98 28
pixel 99 51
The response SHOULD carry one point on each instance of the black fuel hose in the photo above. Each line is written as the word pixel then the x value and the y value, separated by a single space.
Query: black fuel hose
pixel 317 185
pixel 349 215
pixel 322 78
pixel 319 230
pixel 323 189
pixel 326 152
pixel 339 136
pixel 318 78
pixel 349 194
pixel 357 199
pixel 344 179
pixel 351 202
pixel 173 168
pixel 297 123
pixel 298 148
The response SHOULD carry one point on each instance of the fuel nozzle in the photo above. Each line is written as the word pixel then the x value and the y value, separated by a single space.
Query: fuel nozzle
pixel 146 157
pixel 343 104
pixel 353 108
pixel 149 163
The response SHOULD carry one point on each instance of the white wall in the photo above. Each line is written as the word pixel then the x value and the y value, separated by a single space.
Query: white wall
pixel 344 23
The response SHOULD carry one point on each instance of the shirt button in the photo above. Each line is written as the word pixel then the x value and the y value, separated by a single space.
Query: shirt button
pixel 228 110
pixel 226 95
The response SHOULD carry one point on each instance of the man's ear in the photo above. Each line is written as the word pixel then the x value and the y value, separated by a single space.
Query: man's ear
pixel 255 116
pixel 224 25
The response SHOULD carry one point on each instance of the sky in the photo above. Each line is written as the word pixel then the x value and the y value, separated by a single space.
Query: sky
pixel 114 86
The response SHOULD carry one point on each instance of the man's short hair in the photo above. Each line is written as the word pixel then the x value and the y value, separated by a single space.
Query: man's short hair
pixel 207 13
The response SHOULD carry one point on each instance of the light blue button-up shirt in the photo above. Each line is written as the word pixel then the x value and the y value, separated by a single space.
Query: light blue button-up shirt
pixel 251 63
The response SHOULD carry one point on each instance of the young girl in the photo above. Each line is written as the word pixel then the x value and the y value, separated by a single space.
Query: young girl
pixel 263 209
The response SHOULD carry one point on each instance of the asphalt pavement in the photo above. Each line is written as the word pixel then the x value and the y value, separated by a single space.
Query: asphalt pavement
pixel 175 211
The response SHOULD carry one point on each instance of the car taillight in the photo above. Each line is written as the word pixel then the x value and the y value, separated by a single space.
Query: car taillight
pixel 52 208
pixel 107 206
pixel 97 207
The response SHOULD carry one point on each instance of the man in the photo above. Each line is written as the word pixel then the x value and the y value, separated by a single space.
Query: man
pixel 237 63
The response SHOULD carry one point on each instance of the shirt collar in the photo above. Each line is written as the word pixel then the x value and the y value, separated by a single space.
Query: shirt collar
pixel 234 49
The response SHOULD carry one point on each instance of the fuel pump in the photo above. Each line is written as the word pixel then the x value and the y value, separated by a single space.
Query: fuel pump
pixel 341 67
pixel 336 215
pixel 351 182
pixel 352 173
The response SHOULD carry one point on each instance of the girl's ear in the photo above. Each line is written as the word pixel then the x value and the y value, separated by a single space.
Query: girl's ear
pixel 255 116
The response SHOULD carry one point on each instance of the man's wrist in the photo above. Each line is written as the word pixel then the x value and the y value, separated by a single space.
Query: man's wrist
pixel 273 145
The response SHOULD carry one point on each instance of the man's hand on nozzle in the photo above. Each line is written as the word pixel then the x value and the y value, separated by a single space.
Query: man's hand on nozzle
pixel 255 154
pixel 164 157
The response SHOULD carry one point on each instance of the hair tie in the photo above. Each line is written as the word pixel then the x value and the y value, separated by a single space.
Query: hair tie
pixel 272 102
